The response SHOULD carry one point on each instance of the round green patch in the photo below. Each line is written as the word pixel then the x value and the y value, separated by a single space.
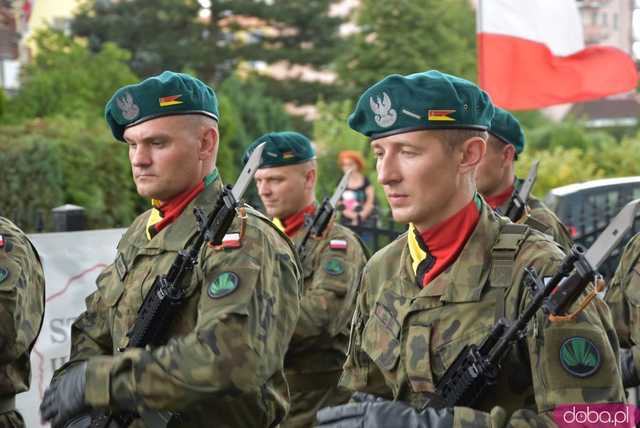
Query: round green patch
pixel 334 267
pixel 579 356
pixel 4 274
pixel 223 285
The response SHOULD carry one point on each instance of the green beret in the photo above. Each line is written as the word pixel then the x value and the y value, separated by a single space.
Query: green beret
pixel 420 101
pixel 282 149
pixel 506 128
pixel 164 95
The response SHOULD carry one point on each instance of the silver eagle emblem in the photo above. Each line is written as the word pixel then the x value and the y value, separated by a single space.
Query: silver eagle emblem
pixel 385 116
pixel 129 109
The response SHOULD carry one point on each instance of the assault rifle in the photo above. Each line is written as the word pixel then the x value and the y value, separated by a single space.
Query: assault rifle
pixel 166 295
pixel 518 200
pixel 477 366
pixel 323 217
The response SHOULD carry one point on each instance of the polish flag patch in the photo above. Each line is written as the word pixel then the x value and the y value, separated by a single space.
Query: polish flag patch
pixel 1 241
pixel 231 240
pixel 338 244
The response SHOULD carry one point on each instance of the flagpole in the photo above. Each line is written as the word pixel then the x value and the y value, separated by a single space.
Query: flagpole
pixel 479 42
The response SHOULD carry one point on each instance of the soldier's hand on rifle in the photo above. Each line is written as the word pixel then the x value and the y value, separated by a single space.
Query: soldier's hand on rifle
pixel 374 412
pixel 63 401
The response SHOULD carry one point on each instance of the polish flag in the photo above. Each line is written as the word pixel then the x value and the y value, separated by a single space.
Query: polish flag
pixel 531 54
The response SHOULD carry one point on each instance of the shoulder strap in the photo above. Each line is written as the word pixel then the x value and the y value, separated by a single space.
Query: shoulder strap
pixel 536 224
pixel 503 255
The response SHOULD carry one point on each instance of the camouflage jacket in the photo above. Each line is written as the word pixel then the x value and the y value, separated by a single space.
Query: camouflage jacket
pixel 21 307
pixel 331 270
pixel 405 337
pixel 623 297
pixel 542 219
pixel 223 360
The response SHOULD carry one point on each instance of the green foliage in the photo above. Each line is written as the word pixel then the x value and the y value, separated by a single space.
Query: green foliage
pixel 169 34
pixel 408 36
pixel 578 161
pixel 3 102
pixel 568 134
pixel 246 114
pixel 31 176
pixel 331 135
pixel 66 79
pixel 56 161
pixel 161 35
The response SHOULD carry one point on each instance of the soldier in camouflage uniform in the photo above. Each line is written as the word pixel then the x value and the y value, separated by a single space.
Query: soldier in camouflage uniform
pixel 222 363
pixel 332 266
pixel 459 268
pixel 21 315
pixel 623 297
pixel 497 182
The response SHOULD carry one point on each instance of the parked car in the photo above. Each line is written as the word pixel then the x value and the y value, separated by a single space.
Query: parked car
pixel 587 208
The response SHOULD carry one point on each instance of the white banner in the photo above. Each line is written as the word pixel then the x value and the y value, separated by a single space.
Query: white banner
pixel 72 261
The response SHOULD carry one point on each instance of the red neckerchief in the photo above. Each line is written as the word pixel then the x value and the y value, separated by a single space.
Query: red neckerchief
pixel 444 241
pixel 172 209
pixel 497 201
pixel 294 222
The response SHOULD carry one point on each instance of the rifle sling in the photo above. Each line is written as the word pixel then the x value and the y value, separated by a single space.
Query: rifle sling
pixel 503 255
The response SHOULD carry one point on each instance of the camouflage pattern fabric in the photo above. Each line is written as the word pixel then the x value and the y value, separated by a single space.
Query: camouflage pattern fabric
pixel 542 219
pixel 318 348
pixel 222 363
pixel 623 297
pixel 21 313
pixel 403 337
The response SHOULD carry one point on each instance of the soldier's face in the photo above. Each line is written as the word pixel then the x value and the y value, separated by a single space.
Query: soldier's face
pixel 284 190
pixel 165 156
pixel 493 174
pixel 419 175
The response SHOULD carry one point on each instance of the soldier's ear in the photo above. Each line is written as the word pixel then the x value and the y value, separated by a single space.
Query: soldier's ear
pixel 508 153
pixel 208 143
pixel 472 152
pixel 310 178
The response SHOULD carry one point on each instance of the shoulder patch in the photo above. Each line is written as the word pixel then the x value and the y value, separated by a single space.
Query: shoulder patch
pixel 231 240
pixel 4 274
pixel 1 241
pixel 224 284
pixel 580 357
pixel 338 244
pixel 334 266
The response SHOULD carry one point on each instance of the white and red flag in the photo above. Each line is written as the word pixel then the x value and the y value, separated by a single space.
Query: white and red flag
pixel 531 54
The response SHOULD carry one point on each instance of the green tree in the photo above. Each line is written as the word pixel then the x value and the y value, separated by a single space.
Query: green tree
pixel 66 79
pixel 331 135
pixel 183 35
pixel 3 102
pixel 161 35
pixel 408 36
pixel 58 160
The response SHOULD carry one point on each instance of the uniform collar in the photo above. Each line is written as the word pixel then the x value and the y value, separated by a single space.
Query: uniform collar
pixel 293 224
pixel 501 200
pixel 464 280
pixel 177 235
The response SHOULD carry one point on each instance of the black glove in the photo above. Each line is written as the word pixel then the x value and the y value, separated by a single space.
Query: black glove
pixel 630 376
pixel 64 399
pixel 369 411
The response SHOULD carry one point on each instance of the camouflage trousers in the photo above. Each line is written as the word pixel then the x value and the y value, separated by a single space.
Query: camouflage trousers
pixel 11 420
pixel 305 405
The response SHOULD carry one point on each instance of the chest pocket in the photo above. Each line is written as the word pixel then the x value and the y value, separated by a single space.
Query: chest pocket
pixel 381 339
pixel 418 358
